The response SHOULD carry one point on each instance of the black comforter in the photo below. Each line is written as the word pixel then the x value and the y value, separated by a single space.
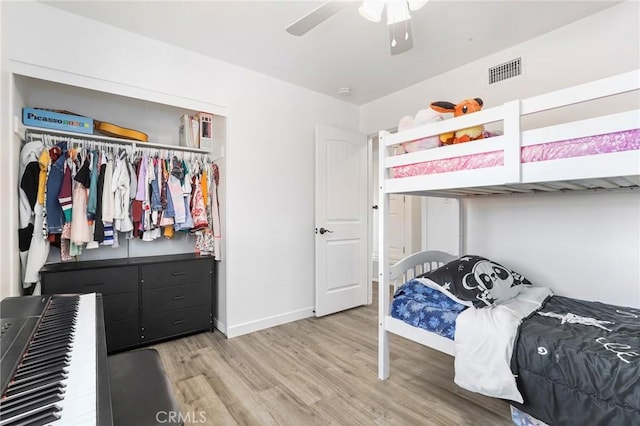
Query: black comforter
pixel 578 363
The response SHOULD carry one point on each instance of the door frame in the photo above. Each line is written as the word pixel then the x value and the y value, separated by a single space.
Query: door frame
pixel 372 201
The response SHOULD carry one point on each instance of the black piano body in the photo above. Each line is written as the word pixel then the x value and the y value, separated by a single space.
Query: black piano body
pixel 23 317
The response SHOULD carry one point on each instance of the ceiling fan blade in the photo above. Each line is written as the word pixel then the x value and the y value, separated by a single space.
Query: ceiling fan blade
pixel 316 17
pixel 400 37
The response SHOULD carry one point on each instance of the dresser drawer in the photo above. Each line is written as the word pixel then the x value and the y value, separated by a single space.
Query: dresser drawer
pixel 175 273
pixel 100 280
pixel 120 306
pixel 167 324
pixel 176 297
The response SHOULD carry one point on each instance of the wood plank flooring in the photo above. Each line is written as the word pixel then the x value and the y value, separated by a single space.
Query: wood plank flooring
pixel 319 371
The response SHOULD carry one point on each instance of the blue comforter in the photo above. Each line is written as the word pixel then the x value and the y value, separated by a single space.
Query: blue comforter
pixel 424 307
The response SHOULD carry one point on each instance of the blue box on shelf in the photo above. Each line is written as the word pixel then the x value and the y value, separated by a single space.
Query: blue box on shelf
pixel 56 120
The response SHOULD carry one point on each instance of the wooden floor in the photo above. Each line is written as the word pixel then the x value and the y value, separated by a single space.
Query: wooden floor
pixel 319 371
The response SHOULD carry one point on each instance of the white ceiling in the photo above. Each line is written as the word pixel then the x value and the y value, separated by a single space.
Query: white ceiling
pixel 346 50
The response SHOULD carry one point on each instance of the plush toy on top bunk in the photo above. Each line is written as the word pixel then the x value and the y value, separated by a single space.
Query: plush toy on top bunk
pixel 423 116
pixel 465 107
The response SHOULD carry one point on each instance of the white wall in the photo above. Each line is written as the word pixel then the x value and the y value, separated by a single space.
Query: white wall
pixel 269 156
pixel 587 245
pixel 581 245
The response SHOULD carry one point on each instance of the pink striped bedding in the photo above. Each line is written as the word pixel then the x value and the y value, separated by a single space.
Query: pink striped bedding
pixel 598 144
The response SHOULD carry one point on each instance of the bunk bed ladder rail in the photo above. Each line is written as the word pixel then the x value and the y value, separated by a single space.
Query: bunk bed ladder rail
pixel 383 259
pixel 512 141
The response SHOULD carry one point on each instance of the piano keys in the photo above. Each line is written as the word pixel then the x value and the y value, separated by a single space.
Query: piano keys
pixel 54 362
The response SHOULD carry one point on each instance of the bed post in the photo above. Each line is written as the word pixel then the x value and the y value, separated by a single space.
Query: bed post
pixel 383 261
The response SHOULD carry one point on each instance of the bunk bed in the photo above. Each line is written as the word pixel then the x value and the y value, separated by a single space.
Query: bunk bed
pixel 595 153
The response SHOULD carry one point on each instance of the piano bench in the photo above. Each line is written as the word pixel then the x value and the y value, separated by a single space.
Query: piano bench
pixel 141 393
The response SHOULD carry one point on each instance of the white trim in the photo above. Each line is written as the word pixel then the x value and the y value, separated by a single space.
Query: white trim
pixel 370 201
pixel 220 326
pixel 268 322
pixel 112 87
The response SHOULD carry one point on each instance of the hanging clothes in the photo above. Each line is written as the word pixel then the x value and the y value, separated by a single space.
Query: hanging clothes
pixel 93 187
pixel 80 231
pixel 34 249
pixel 108 200
pixel 66 201
pixel 65 195
pixel 55 215
pixel 98 232
pixel 198 208
pixel 84 196
pixel 215 213
pixel 121 186
pixel 174 189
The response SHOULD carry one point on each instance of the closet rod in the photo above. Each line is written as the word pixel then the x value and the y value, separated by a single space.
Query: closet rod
pixel 99 138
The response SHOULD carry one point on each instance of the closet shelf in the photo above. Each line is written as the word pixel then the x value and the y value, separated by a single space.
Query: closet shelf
pixel 22 131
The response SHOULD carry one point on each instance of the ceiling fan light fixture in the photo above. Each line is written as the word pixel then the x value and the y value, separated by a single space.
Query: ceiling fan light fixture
pixel 372 10
pixel 416 4
pixel 397 11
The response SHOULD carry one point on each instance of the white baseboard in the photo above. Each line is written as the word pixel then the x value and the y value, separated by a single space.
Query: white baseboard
pixel 220 326
pixel 261 324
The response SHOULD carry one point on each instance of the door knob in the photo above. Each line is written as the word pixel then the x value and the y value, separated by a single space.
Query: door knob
pixel 322 231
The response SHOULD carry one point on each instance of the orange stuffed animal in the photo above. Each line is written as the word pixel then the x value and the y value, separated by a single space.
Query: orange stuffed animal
pixel 465 107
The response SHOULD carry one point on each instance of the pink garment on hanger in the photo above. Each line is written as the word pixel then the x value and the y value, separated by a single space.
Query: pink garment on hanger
pixel 198 208
pixel 80 231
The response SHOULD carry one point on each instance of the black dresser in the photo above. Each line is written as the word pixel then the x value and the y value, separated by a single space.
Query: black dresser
pixel 146 299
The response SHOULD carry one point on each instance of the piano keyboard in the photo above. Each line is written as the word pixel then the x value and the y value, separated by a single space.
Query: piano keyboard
pixel 55 381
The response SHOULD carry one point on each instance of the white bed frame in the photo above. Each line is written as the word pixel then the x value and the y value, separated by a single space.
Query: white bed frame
pixel 403 271
pixel 602 171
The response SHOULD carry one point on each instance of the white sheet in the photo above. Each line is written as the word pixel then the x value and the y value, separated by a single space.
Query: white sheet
pixel 484 344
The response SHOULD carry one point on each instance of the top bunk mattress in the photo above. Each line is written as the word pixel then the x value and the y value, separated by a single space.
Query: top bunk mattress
pixel 597 152
pixel 628 140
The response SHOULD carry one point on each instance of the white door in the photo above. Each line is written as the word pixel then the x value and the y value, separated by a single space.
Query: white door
pixel 342 204
pixel 397 231
pixel 400 226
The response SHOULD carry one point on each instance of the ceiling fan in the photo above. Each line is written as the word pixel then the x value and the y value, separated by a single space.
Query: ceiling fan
pixel 397 13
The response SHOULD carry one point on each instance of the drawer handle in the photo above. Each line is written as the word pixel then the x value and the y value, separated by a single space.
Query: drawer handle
pixel 176 322
pixel 178 297
pixel 175 274
pixel 90 284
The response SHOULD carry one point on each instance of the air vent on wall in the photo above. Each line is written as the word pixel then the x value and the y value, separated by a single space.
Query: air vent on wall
pixel 504 71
